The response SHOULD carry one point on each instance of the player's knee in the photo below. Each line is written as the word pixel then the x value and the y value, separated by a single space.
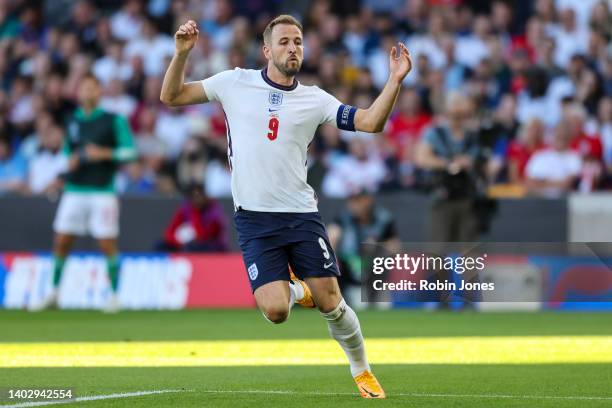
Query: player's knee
pixel 108 246
pixel 276 315
pixel 330 300
pixel 329 303
pixel 61 245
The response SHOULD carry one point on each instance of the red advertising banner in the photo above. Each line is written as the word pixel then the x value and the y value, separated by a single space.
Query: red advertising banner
pixel 219 281
pixel 147 281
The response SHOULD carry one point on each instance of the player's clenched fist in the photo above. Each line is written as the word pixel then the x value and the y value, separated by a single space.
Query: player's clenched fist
pixel 186 36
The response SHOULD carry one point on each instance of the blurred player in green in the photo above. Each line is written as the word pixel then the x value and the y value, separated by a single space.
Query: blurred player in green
pixel 97 142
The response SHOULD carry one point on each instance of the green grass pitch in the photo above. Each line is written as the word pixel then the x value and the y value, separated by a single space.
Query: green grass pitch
pixel 234 358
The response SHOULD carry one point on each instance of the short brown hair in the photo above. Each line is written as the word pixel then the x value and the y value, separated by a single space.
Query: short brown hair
pixel 92 76
pixel 282 19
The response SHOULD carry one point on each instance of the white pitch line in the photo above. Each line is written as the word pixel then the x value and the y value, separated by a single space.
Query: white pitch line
pixel 90 398
pixel 315 393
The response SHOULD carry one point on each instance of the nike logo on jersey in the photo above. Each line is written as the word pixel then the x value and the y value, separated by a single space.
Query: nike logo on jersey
pixel 272 110
pixel 326 266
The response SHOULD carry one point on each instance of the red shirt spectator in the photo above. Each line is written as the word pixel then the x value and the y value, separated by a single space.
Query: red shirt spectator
pixel 519 152
pixel 406 126
pixel 198 225
pixel 587 146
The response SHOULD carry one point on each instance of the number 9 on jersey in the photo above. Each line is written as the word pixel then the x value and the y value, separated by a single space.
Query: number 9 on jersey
pixel 273 128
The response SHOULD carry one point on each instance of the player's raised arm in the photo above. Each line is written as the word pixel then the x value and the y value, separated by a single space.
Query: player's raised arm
pixel 175 92
pixel 374 118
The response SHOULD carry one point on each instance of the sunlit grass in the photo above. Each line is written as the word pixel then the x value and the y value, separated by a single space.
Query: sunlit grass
pixel 439 350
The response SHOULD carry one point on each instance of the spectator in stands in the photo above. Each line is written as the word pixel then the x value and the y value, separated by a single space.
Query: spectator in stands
pixel 604 116
pixel 21 112
pixel 112 65
pixel 56 102
pixel 135 178
pixel 210 60
pixel 218 175
pixel 497 135
pixel 361 222
pixel 530 140
pixel 405 126
pixel 83 23
pixel 147 144
pixel 218 24
pixel 48 163
pixel 126 23
pixel 116 100
pixel 600 16
pixel 198 225
pixel 454 71
pixel 362 168
pixel 533 101
pixel 191 164
pixel 588 146
pixel 545 58
pixel 430 44
pixel 472 48
pixel 563 87
pixel 9 24
pixel 149 100
pixel 13 169
pixel 581 8
pixel 172 128
pixel 545 55
pixel 570 38
pixel 152 46
pixel 504 125
pixel 553 172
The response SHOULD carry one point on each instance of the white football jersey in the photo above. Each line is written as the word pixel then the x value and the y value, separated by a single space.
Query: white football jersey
pixel 269 128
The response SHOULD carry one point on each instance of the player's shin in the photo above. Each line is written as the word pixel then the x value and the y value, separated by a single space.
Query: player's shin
pixel 58 267
pixel 344 327
pixel 112 264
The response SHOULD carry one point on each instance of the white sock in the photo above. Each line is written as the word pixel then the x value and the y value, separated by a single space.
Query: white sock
pixel 344 327
pixel 296 292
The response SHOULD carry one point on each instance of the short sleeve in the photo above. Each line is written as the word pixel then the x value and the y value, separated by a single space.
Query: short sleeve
pixel 533 169
pixel 216 85
pixel 125 149
pixel 335 112
pixel 575 165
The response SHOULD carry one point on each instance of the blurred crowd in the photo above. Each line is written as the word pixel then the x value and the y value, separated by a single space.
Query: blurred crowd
pixel 533 79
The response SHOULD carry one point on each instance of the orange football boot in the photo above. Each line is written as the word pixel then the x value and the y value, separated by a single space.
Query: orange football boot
pixel 368 385
pixel 307 300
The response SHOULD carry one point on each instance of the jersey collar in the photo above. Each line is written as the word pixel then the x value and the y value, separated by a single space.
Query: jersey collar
pixel 79 113
pixel 264 75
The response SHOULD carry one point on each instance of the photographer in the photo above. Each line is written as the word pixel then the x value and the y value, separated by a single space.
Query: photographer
pixel 449 158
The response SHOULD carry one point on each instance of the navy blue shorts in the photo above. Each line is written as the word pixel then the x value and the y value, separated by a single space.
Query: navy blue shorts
pixel 272 241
